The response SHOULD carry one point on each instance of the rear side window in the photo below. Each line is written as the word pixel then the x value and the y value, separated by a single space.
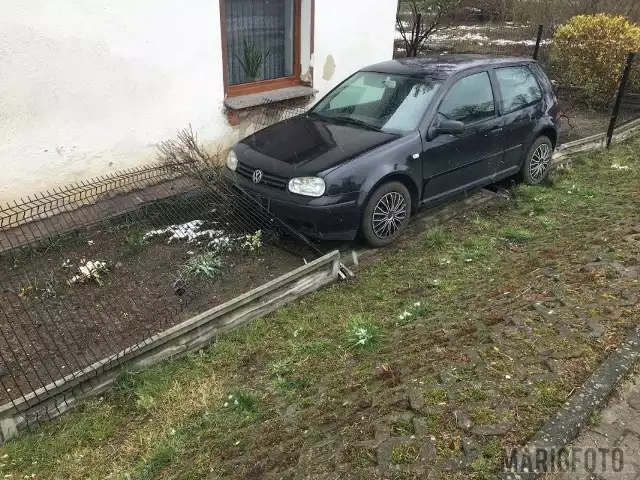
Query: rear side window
pixel 470 100
pixel 519 88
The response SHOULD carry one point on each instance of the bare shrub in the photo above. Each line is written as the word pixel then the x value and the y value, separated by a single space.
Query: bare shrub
pixel 187 156
pixel 425 17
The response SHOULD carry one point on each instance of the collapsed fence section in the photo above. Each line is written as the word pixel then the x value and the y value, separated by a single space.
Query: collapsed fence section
pixel 97 268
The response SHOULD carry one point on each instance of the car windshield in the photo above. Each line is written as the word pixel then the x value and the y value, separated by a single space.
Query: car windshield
pixel 378 101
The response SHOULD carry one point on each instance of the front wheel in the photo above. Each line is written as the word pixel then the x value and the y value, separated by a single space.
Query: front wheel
pixel 386 214
pixel 536 164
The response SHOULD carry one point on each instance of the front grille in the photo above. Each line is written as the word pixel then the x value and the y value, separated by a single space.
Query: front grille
pixel 268 179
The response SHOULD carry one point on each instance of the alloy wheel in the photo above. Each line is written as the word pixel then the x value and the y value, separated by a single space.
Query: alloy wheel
pixel 389 215
pixel 539 162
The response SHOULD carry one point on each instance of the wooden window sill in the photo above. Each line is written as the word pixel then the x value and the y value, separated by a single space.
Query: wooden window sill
pixel 240 102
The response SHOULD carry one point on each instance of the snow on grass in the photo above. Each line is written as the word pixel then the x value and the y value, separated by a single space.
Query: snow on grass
pixel 193 232
pixel 484 34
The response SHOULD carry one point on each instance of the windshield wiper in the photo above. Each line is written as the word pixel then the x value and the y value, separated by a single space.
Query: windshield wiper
pixel 355 121
pixel 312 114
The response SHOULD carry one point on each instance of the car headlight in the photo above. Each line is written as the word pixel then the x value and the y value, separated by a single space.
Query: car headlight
pixel 232 161
pixel 308 186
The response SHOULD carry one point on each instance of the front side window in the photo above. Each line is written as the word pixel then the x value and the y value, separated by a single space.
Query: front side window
pixel 519 88
pixel 390 103
pixel 260 37
pixel 470 100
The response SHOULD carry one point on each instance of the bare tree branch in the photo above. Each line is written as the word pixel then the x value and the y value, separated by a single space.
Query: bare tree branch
pixel 427 17
pixel 187 156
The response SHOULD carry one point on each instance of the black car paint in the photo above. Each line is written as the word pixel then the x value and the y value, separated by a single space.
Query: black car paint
pixel 353 161
pixel 302 146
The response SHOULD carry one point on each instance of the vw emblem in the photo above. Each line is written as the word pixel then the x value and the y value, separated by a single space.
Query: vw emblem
pixel 257 176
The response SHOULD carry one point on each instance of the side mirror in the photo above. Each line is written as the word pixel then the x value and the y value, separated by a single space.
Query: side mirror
pixel 450 127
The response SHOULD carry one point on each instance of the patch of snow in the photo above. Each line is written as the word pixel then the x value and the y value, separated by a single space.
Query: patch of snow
pixel 190 231
pixel 90 270
pixel 478 33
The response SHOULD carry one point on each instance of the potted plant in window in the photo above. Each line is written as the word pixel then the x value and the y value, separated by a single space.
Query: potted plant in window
pixel 253 61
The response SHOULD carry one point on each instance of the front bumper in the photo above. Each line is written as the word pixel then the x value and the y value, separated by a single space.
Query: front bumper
pixel 324 218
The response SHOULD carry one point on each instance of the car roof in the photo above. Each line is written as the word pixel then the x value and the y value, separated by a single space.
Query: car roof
pixel 440 67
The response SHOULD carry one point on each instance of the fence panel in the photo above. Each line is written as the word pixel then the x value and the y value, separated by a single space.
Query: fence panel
pixel 501 39
pixel 629 105
pixel 92 269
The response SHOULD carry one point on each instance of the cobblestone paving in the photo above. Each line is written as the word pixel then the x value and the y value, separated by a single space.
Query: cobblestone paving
pixel 503 367
pixel 616 427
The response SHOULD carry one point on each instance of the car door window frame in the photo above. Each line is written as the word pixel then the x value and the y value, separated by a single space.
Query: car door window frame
pixel 496 111
pixel 494 76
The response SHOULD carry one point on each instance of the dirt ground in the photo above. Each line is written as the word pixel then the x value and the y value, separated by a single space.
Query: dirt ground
pixel 51 328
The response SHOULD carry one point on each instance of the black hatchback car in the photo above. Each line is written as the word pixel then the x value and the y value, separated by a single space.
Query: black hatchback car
pixel 398 135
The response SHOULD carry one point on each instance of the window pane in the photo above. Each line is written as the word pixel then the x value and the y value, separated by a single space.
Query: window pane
pixel 519 88
pixel 356 93
pixel 260 39
pixel 393 103
pixel 469 100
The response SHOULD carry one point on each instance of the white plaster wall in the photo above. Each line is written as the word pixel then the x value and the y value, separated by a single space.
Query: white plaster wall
pixel 350 34
pixel 88 87
pixel 305 38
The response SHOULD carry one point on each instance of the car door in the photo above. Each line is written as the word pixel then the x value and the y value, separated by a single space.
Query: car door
pixel 521 105
pixel 452 163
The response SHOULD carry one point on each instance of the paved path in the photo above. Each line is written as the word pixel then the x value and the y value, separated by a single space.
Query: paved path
pixel 616 427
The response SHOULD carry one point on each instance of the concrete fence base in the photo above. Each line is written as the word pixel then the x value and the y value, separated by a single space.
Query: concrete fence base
pixel 595 142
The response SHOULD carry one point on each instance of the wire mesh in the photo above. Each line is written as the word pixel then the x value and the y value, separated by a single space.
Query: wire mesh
pixel 272 111
pixel 500 39
pixel 630 106
pixel 97 267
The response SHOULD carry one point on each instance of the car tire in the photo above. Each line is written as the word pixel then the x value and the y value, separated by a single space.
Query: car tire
pixel 535 168
pixel 386 214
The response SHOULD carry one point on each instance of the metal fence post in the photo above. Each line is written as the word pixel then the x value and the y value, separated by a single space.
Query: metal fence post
pixel 619 97
pixel 536 52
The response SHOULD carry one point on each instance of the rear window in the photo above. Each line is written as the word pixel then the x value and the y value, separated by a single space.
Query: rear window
pixel 519 88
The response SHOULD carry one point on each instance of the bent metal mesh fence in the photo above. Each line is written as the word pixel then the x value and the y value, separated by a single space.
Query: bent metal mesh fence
pixel 98 267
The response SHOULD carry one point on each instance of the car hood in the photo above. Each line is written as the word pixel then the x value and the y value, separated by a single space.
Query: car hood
pixel 307 146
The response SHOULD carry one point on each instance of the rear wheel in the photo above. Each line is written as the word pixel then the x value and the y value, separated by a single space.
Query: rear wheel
pixel 386 214
pixel 535 168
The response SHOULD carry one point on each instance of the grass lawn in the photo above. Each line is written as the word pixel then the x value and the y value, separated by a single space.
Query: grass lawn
pixel 444 349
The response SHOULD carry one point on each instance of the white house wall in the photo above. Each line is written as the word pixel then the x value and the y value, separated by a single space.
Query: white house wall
pixel 89 87
pixel 350 34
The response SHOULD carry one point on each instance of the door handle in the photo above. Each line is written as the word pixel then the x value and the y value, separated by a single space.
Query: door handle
pixel 494 130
